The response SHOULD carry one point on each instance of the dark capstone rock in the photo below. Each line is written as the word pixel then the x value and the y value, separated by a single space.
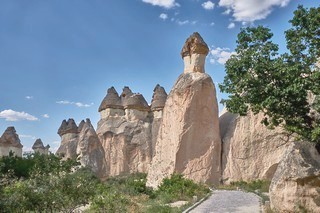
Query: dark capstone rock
pixel 10 138
pixel 159 98
pixel 194 44
pixel 38 144
pixel 112 100
pixel 68 127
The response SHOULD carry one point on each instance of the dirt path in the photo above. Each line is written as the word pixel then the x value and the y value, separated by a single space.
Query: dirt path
pixel 230 201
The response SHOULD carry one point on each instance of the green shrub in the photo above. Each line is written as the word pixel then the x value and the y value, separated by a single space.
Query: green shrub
pixel 178 188
pixel 108 199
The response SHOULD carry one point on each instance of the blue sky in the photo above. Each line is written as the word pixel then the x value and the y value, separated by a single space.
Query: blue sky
pixel 58 58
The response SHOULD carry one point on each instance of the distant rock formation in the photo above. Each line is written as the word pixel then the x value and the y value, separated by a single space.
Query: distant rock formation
pixel 38 147
pixel 68 132
pixel 10 142
pixel 250 150
pixel 82 142
pixel 90 151
pixel 296 183
pixel 127 128
pixel 189 139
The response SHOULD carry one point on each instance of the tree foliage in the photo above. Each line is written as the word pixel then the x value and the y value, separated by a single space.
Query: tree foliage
pixel 279 85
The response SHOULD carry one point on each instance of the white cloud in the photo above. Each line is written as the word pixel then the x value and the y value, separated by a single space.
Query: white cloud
pixel 251 10
pixel 231 25
pixel 45 116
pixel 220 55
pixel 29 97
pixel 163 3
pixel 78 104
pixel 11 115
pixel 27 136
pixel 212 23
pixel 208 5
pixel 163 16
pixel 183 22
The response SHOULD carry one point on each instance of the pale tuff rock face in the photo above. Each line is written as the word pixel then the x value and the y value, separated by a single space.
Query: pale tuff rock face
pixel 189 139
pixel 250 150
pixel 90 151
pixel 194 54
pixel 68 132
pixel 10 141
pixel 126 144
pixel 297 180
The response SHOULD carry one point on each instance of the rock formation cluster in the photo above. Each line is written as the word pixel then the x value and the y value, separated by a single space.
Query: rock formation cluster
pixel 182 132
pixel 10 142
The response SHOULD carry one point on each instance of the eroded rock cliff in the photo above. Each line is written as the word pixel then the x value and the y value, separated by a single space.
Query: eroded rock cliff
pixel 250 150
pixel 296 184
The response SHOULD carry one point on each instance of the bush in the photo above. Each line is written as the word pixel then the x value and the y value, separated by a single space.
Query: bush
pixel 178 188
pixel 108 199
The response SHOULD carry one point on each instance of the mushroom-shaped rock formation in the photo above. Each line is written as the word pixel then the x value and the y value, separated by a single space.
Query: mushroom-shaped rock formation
pixel 68 132
pixel 159 98
pixel 10 142
pixel 68 127
pixel 136 101
pixel 112 100
pixel 194 53
pixel 189 140
pixel 38 144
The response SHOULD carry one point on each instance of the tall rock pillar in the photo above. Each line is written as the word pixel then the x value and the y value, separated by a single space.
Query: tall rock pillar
pixel 189 138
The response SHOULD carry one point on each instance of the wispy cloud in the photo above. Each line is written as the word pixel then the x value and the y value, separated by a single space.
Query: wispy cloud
pixel 11 115
pixel 78 104
pixel 212 24
pixel 220 55
pixel 45 116
pixel 56 142
pixel 29 97
pixel 231 25
pixel 248 10
pixel 208 5
pixel 163 16
pixel 185 22
pixel 163 3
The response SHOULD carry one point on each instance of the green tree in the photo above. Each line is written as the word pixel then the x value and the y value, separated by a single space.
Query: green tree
pixel 262 80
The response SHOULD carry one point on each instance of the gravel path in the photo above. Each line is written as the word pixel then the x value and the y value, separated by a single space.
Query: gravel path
pixel 230 201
